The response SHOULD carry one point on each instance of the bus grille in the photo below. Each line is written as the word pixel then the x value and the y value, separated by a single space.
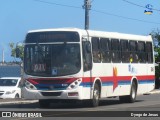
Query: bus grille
pixel 51 93
pixel 47 87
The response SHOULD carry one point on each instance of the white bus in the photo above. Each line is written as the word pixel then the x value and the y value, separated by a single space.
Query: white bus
pixel 75 64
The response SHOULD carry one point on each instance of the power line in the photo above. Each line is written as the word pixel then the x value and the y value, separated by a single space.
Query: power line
pixel 125 17
pixel 58 4
pixel 138 5
pixel 133 3
pixel 102 12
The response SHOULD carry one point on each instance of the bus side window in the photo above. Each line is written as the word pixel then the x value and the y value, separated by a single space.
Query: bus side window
pixel 125 51
pixel 116 54
pixel 149 52
pixel 141 52
pixel 105 50
pixel 96 50
pixel 134 57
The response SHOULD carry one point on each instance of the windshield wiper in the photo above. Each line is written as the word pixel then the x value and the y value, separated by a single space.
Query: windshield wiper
pixel 39 47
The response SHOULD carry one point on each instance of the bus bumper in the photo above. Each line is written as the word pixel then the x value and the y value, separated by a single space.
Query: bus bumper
pixel 54 94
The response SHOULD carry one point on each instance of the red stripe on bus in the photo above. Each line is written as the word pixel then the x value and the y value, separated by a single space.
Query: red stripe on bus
pixel 87 79
pixel 119 78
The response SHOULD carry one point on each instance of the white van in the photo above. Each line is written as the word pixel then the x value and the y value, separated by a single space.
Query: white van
pixel 10 87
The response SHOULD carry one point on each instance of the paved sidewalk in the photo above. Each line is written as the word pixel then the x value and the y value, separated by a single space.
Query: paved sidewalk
pixel 23 101
pixel 155 91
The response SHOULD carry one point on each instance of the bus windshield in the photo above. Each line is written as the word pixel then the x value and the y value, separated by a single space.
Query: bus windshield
pixel 52 59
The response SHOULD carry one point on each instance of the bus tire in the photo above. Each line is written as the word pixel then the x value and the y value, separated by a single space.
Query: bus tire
pixel 96 94
pixel 132 97
pixel 44 103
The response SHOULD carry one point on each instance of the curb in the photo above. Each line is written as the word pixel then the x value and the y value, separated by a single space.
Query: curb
pixel 156 91
pixel 20 101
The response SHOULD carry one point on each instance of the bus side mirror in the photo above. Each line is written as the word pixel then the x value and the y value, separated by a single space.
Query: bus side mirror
pixel 17 52
pixel 88 47
pixel 87 57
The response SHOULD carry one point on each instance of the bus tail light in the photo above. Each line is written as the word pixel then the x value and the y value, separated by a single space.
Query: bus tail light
pixel 30 86
pixel 74 84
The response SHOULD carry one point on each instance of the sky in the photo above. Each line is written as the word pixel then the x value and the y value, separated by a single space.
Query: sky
pixel 17 17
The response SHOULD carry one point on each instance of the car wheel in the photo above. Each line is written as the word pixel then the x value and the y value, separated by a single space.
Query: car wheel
pixel 17 96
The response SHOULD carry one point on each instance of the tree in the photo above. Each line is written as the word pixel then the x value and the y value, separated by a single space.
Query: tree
pixel 13 50
pixel 156 39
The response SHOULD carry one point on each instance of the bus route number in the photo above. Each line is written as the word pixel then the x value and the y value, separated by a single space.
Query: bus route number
pixel 39 67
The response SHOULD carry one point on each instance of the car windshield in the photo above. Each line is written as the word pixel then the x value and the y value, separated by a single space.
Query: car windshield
pixel 8 82
pixel 52 59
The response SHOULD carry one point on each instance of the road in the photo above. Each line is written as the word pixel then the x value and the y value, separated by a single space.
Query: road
pixel 144 104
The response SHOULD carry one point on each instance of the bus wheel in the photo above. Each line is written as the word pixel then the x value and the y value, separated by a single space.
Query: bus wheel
pixel 133 94
pixel 44 103
pixel 96 94
pixel 132 97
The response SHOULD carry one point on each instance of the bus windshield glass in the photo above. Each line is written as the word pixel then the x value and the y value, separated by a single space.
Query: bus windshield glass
pixel 52 59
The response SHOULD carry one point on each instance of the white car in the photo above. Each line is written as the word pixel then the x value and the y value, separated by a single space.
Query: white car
pixel 10 87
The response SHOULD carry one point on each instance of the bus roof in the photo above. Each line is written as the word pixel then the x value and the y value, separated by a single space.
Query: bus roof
pixel 94 33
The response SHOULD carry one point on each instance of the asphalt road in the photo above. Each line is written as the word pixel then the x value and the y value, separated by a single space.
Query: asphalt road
pixel 143 102
pixel 110 107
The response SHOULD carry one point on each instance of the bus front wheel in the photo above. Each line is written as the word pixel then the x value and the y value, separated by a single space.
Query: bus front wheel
pixel 44 103
pixel 96 93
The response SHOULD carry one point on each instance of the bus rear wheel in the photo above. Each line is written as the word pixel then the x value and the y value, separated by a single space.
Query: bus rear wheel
pixel 132 97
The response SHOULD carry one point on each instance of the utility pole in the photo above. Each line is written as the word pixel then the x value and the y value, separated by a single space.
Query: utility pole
pixel 87 7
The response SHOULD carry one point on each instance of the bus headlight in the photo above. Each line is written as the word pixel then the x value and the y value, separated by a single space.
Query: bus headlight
pixel 74 84
pixel 30 86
